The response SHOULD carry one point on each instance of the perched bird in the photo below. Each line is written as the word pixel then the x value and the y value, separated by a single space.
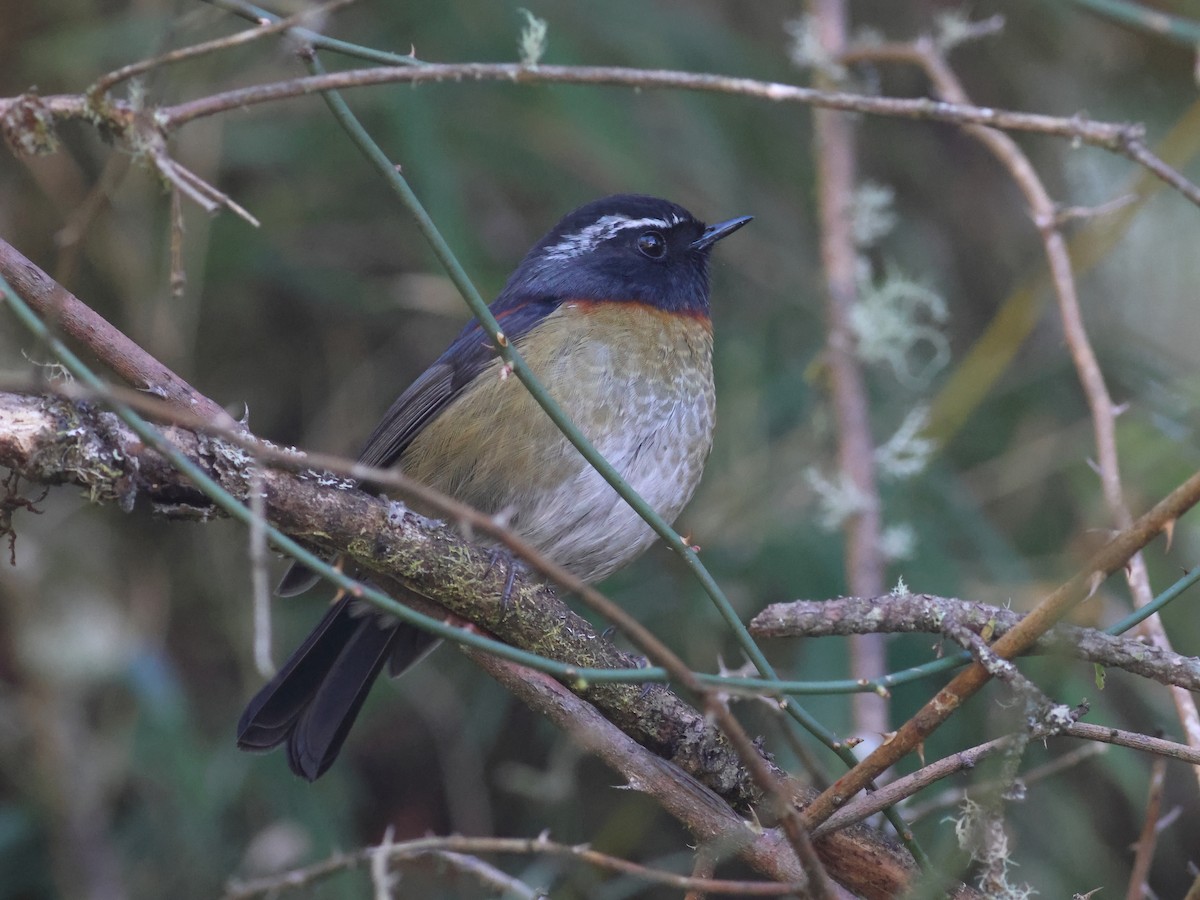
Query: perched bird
pixel 610 310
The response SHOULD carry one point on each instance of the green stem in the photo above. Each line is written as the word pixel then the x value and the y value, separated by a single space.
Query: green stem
pixel 1156 21
pixel 257 14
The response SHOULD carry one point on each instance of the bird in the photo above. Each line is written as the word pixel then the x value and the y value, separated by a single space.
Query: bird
pixel 610 309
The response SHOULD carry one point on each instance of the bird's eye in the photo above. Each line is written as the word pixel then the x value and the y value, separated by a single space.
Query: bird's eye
pixel 652 244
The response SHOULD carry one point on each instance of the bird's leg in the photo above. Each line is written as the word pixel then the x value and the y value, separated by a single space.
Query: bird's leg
pixel 503 554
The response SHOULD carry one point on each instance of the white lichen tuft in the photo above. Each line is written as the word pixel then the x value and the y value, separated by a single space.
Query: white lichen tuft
pixel 532 43
pixel 906 453
pixel 51 370
pixel 873 216
pixel 898 542
pixel 807 52
pixel 980 833
pixel 895 323
pixel 837 500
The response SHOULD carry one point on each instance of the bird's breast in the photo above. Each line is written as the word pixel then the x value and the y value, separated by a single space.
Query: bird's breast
pixel 638 383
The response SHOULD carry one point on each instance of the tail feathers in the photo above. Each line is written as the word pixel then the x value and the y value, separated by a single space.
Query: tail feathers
pixel 270 716
pixel 312 701
pixel 296 580
pixel 321 729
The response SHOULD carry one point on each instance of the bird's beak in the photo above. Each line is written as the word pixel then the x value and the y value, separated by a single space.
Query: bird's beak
pixel 714 233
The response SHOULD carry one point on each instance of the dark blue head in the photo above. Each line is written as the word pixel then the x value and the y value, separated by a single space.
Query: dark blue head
pixel 624 248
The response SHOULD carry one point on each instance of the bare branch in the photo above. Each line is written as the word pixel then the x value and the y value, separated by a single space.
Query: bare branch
pixel 303 18
pixel 925 613
pixel 1125 139
pixel 459 845
pixel 1148 839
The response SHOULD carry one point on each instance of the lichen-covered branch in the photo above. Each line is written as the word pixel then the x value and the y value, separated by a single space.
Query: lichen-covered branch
pixel 53 441
pixel 891 614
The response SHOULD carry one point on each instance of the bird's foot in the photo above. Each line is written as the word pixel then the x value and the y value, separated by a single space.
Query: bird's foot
pixel 502 555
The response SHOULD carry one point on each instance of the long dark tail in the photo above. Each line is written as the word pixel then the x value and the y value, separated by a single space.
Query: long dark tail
pixel 313 700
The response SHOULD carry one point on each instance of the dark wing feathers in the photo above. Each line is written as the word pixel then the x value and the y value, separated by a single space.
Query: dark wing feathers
pixel 422 401
pixel 471 352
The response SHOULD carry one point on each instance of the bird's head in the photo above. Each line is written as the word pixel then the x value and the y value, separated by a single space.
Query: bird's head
pixel 625 248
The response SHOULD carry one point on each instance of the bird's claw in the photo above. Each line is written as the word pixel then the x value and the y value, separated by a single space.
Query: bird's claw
pixel 503 554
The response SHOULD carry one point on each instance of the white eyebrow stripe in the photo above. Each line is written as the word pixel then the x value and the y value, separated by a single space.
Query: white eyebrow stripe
pixel 586 239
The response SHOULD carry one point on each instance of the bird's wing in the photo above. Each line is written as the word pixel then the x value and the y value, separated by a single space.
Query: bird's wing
pixel 436 389
pixel 471 352
pixel 422 401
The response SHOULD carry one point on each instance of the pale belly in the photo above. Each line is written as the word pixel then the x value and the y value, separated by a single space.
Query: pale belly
pixel 638 383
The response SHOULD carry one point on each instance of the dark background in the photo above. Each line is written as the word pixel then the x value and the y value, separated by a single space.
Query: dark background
pixel 125 642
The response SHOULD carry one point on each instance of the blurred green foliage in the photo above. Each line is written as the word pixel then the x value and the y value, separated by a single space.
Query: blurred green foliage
pixel 125 643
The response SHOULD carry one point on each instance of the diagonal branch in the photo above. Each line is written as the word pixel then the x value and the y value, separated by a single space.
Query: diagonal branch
pixel 67 314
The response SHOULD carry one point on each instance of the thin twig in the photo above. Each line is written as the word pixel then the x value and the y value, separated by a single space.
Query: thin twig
pixel 1110 136
pixel 206 196
pixel 320 41
pixel 868 805
pixel 107 82
pixel 952 797
pixel 1148 839
pixel 490 877
pixel 392 852
pixel 1122 138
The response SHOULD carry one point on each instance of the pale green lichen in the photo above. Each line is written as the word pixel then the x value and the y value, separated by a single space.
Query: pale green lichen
pixel 894 318
pixel 980 833
pixel 873 216
pixel 906 453
pixel 532 42
pixel 838 499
